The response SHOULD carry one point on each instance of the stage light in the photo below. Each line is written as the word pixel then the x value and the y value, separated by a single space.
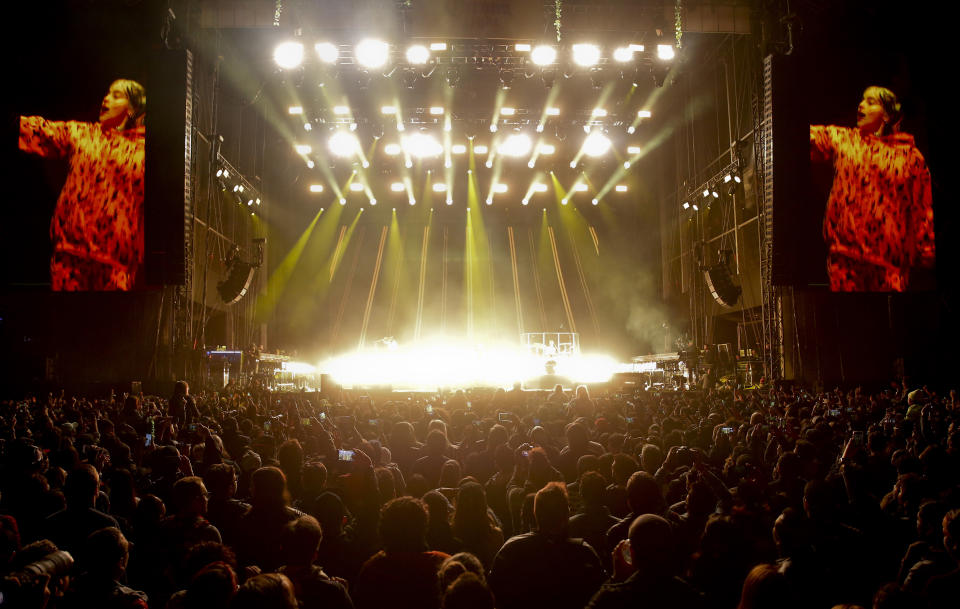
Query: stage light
pixel 665 52
pixel 686 205
pixel 365 164
pixel 552 111
pixel 508 111
pixel 421 145
pixel 438 46
pixel 493 127
pixel 458 149
pixel 626 164
pixel 631 129
pixel 706 193
pixel 695 207
pixel 439 187
pixel 226 173
pixel 295 110
pixel 388 110
pixel 288 55
pixel 372 53
pixel 303 148
pixel 715 194
pixel 311 164
pixel 623 54
pixel 307 127
pixel 573 164
pixel 236 188
pixel 644 114
pixel 596 144
pixel 500 188
pixel 356 186
pixel 481 149
pixel 341 110
pixel 581 188
pixel 540 187
pixel 418 54
pixel 489 163
pixel 595 201
pixel 343 144
pixel 449 199
pixel 401 127
pixel 448 164
pixel 522 47
pixel 637 48
pixel 517 144
pixel 258 201
pixel 564 201
pixel 586 129
pixel 549 76
pixel 489 200
pixel 586 55
pixel 599 112
pixel 547 149
pixel 392 149
pixel 240 187
pixel 531 163
pixel 412 201
pixel 327 52
pixel 343 201
pixel 220 172
pixel 408 164
pixel 525 201
pixel 621 188
pixel 540 128
pixel 316 188
pixel 436 110
pixel 543 55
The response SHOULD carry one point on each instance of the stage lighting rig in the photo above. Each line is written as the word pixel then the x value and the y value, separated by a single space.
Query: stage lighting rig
pixel 372 53
pixel 288 55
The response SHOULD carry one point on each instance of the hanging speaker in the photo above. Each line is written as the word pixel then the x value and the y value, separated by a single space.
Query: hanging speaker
pixel 237 282
pixel 721 285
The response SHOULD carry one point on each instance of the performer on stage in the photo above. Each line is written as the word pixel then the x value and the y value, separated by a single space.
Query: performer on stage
pixel 97 225
pixel 879 217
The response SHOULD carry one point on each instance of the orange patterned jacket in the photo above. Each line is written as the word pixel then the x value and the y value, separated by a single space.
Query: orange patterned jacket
pixel 880 209
pixel 99 215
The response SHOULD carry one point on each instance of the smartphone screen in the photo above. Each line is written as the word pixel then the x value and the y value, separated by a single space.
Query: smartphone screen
pixel 345 455
pixel 323 416
pixel 266 425
pixel 149 440
pixel 305 421
pixel 192 427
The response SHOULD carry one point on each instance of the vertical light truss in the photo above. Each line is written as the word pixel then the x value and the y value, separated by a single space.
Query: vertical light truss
pixel 771 311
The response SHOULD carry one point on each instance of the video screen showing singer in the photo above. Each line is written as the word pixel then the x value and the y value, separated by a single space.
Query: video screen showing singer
pixel 878 224
pixel 97 224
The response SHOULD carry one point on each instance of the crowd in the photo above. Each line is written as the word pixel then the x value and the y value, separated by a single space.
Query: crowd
pixel 774 497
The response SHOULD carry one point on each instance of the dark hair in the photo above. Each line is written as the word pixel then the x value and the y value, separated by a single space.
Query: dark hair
pixel 468 592
pixel 592 488
pixel 265 591
pixel 643 494
pixel 551 508
pixel 219 478
pixel 105 549
pixel 403 525
pixel 82 485
pixel 300 539
pixel 268 488
pixel 186 491
pixel 764 587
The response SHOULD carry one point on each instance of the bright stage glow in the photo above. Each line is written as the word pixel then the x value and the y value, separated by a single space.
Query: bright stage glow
pixel 373 201
pixel 586 55
pixel 295 110
pixel 418 54
pixel 531 163
pixel 298 368
pixel 540 187
pixel 343 201
pixel 311 164
pixel 600 112
pixel 303 148
pixel 307 127
pixel 553 111
pixel 288 55
pixel 581 187
pixel 596 144
pixel 327 52
pixel 392 149
pixel 525 201
pixel 522 47
pixel 439 187
pixel 449 199
pixel 421 145
pixel 388 110
pixel 543 55
pixel 448 164
pixel 490 200
pixel 621 188
pixel 316 188
pixel 637 48
pixel 508 111
pixel 500 188
pixel 686 205
pixel 573 164
pixel 595 201
pixel 665 52
pixel 706 192
pixel 438 46
pixel 356 186
pixel 481 149
pixel 343 144
pixel 372 53
pixel 493 127
pixel 397 187
pixel 623 54
pixel 435 110
pixel 644 114
pixel 341 110
pixel 489 163
pixel 626 164
pixel 518 144
pixel 633 149
pixel 458 149
pixel 631 129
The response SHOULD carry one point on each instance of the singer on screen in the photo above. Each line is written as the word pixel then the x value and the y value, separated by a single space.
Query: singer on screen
pixel 878 223
pixel 97 225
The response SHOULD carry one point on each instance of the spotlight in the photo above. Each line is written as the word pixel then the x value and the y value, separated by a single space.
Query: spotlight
pixel 388 110
pixel 452 76
pixel 540 187
pixel 695 207
pixel 525 201
pixel 508 111
pixel 458 149
pixel 586 55
pixel 626 164
pixel 438 46
pixel 311 164
pixel 327 52
pixel 599 112
pixel 316 188
pixel 288 55
pixel 595 201
pixel 623 54
pixel 633 149
pixel 715 194
pixel 341 110
pixel 706 193
pixel 408 164
pixel 449 199
pixel 564 200
pixel 644 114
pixel 580 188
pixel 631 129
pixel 295 110
pixel 493 127
pixel 392 149
pixel 518 144
pixel 258 201
pixel 220 173
pixel 343 201
pixel 365 164
pixel 356 186
pixel 421 145
pixel 481 149
pixel 439 187
pixel 596 144
pixel 489 163
pixel 412 201
pixel 621 188
pixel 303 149
pixel 436 110
pixel 343 144
pixel 531 163
pixel 373 201
pixel 249 202
pixel 489 200
pixel 522 47
pixel 372 53
pixel 307 127
pixel 573 164
pixel 226 173
pixel 500 188
pixel 686 205
pixel 665 52
pixel 236 188
pixel 543 54
pixel 448 164
pixel 418 54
